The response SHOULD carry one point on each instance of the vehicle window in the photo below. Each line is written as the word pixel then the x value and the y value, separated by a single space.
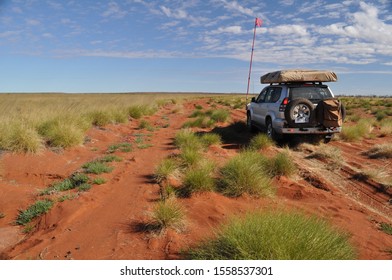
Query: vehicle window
pixel 313 93
pixel 273 94
pixel 261 96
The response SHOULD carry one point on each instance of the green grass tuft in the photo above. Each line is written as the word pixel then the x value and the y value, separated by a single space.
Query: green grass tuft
pixel 122 147
pixel 168 214
pixel 100 117
pixel 199 179
pixel 387 228
pixel 245 173
pixel 281 165
pixel 20 138
pixel 99 181
pixel 356 132
pixel 276 236
pixel 97 167
pixel 37 209
pixel 165 169
pixel 260 142
pixel 61 133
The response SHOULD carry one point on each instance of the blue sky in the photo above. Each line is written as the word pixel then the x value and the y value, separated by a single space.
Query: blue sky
pixel 190 46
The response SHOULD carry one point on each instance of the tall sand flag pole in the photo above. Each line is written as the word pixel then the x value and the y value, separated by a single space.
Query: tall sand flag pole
pixel 258 23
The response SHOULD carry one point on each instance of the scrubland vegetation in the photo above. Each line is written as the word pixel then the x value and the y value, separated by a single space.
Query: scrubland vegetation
pixel 30 123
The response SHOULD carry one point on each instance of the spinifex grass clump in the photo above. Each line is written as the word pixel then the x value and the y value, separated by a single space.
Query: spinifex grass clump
pixel 245 173
pixel 356 132
pixel 165 169
pixel 199 178
pixel 62 133
pixel 209 139
pixel 380 151
pixel 280 165
pixel 168 214
pixel 260 141
pixel 100 117
pixel 138 111
pixel 19 137
pixel 186 138
pixel 276 236
pixel 38 208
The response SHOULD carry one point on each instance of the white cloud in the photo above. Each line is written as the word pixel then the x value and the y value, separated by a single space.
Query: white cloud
pixel 175 13
pixel 236 7
pixel 235 29
pixel 286 2
pixel 32 22
pixel 287 29
pixel 114 11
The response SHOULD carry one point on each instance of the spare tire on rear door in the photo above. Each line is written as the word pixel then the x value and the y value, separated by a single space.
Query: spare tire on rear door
pixel 299 113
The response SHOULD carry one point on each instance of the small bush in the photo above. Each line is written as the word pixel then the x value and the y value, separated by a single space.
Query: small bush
pixel 245 173
pixel 260 141
pixel 276 236
pixel 168 214
pixel 37 209
pixel 97 167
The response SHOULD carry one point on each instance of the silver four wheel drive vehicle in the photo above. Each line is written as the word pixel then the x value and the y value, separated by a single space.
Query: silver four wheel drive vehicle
pixel 296 102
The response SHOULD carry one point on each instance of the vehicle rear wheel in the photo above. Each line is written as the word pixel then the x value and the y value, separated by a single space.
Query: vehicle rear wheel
pixel 271 133
pixel 299 113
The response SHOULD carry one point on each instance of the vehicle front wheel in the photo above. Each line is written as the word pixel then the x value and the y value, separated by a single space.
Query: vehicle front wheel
pixel 249 124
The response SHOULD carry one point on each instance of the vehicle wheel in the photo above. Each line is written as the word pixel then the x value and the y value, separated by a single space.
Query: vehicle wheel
pixel 271 133
pixel 299 113
pixel 249 124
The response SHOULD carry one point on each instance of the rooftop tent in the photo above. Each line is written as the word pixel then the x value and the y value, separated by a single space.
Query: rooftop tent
pixel 298 75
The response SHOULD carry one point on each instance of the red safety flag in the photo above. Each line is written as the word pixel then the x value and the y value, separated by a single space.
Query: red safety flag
pixel 258 22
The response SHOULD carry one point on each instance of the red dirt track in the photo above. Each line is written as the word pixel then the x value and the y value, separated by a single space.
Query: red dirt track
pixel 102 223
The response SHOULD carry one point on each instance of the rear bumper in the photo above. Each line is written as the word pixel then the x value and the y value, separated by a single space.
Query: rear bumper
pixel 311 130
pixel 280 127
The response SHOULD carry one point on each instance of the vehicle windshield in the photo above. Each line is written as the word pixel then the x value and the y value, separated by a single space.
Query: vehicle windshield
pixel 314 93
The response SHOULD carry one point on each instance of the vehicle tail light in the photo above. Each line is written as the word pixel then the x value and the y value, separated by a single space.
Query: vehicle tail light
pixel 282 106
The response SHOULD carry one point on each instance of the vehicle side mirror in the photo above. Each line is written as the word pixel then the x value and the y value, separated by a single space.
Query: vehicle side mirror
pixel 253 99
